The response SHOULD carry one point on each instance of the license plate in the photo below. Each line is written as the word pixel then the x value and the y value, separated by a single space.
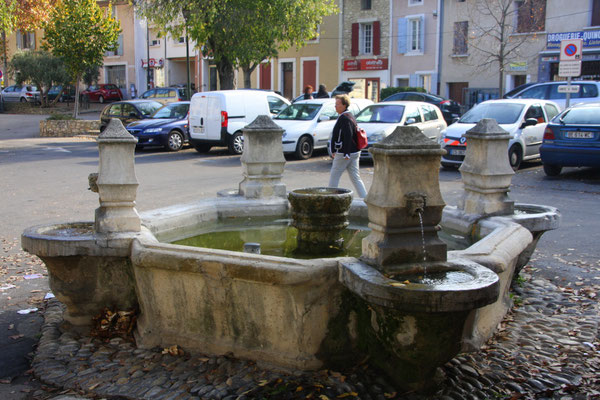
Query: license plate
pixel 198 129
pixel 458 152
pixel 580 135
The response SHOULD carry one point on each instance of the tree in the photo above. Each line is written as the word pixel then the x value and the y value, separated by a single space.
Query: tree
pixel 491 35
pixel 239 33
pixel 42 69
pixel 80 32
pixel 25 15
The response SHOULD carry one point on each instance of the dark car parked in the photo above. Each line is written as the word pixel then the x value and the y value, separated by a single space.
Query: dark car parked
pixel 68 94
pixel 128 111
pixel 103 92
pixel 167 127
pixel 450 108
pixel 572 139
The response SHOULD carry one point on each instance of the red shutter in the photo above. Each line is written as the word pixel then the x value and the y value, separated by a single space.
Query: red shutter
pixel 376 39
pixel 354 51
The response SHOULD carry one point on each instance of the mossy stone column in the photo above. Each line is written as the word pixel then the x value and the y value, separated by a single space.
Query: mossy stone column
pixel 262 160
pixel 405 190
pixel 117 183
pixel 486 171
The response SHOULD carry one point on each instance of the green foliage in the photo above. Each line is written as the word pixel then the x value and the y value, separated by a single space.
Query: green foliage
pixel 59 117
pixel 388 91
pixel 40 68
pixel 8 15
pixel 239 32
pixel 80 32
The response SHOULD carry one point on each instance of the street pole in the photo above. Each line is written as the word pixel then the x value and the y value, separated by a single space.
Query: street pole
pixel 187 65
pixel 148 55
pixel 568 99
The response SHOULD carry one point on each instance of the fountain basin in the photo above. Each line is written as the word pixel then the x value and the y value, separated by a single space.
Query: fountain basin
pixel 87 271
pixel 503 244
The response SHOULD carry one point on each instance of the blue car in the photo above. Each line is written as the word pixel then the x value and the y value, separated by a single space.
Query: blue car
pixel 572 139
pixel 167 127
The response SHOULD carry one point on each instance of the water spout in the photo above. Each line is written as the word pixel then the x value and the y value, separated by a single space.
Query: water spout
pixel 416 203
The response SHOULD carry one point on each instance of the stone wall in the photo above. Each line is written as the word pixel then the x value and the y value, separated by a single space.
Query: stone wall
pixel 55 128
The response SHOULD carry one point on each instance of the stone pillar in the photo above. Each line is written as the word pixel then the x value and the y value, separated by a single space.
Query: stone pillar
pixel 405 204
pixel 117 183
pixel 486 170
pixel 262 160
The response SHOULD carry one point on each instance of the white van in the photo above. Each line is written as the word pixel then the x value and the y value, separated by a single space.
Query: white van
pixel 217 118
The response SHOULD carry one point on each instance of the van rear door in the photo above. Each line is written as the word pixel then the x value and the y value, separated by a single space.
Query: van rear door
pixel 205 118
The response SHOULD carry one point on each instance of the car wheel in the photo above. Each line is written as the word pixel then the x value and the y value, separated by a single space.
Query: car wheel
pixel 515 156
pixel 101 99
pixel 236 143
pixel 175 141
pixel 552 170
pixel 304 148
pixel 202 148
pixel 23 100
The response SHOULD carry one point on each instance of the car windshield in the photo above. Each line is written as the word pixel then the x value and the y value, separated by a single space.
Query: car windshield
pixel 299 112
pixel 148 108
pixel 583 115
pixel 503 113
pixel 172 111
pixel 381 113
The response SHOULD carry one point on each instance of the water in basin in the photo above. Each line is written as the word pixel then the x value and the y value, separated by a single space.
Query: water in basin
pixel 434 278
pixel 278 238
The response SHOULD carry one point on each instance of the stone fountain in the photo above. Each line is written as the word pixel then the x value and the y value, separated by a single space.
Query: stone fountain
pixel 406 303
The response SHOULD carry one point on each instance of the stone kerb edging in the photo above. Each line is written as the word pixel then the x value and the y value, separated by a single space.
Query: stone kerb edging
pixel 68 128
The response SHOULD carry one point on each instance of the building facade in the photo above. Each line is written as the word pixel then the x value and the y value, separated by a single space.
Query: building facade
pixel 415 44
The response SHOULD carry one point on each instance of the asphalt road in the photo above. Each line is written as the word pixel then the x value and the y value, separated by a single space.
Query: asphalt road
pixel 44 180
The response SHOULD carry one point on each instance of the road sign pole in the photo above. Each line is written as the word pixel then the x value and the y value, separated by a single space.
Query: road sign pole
pixel 568 97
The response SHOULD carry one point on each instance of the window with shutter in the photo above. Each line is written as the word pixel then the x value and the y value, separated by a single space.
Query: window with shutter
pixel 402 25
pixel 461 30
pixel 415 34
pixel 366 38
pixel 355 32
pixel 376 38
pixel 531 15
pixel 596 12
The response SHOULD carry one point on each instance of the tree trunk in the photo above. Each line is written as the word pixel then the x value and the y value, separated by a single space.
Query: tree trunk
pixel 76 105
pixel 226 76
pixel 248 70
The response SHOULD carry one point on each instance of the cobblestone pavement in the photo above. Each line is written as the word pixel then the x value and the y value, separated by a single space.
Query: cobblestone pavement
pixel 547 348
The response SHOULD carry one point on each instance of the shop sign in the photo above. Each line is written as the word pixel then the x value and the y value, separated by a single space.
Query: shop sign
pixel 518 66
pixel 590 38
pixel 374 64
pixel 351 65
pixel 369 64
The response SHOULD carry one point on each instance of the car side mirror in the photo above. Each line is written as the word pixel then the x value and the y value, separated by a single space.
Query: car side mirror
pixel 410 121
pixel 455 119
pixel 529 122
pixel 324 118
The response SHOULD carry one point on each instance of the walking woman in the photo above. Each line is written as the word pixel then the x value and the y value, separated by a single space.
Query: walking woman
pixel 343 147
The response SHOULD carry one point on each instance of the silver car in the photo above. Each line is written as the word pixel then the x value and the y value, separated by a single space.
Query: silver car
pixel 524 119
pixel 23 94
pixel 381 119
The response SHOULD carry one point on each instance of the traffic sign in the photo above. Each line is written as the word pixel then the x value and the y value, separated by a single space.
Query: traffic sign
pixel 569 68
pixel 570 49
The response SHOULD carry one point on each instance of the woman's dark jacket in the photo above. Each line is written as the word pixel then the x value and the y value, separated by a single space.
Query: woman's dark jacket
pixel 344 131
